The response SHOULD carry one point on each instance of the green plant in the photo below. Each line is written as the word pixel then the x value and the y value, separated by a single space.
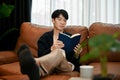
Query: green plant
pixel 5 11
pixel 100 45
pixel 7 32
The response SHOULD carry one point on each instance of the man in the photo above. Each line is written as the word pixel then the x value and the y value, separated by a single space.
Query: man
pixel 51 57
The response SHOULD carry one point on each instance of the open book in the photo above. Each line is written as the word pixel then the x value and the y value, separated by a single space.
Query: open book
pixel 69 41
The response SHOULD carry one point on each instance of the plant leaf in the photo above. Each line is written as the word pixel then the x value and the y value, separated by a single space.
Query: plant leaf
pixel 7 32
pixel 5 10
pixel 94 53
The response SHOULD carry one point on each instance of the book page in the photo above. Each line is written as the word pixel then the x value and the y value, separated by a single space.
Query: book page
pixel 75 35
pixel 66 35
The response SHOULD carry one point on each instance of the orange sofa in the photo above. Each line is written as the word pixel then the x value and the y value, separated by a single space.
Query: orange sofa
pixel 30 33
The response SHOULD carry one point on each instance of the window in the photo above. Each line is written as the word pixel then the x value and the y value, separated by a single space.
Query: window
pixel 81 12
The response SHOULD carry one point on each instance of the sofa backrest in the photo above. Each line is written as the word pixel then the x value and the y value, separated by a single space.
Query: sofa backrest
pixel 98 28
pixel 30 33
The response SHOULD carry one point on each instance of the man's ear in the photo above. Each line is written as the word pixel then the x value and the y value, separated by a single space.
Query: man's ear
pixel 53 20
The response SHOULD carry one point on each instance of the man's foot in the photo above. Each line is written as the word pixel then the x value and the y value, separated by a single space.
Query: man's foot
pixel 27 63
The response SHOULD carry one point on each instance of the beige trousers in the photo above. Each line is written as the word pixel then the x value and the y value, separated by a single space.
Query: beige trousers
pixel 54 62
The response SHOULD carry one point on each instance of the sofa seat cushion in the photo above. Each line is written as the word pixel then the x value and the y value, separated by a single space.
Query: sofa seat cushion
pixel 113 68
pixel 62 76
pixel 14 77
pixel 56 77
pixel 10 69
pixel 7 57
pixel 25 77
pixel 14 69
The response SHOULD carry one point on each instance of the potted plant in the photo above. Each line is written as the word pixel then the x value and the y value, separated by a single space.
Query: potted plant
pixel 100 45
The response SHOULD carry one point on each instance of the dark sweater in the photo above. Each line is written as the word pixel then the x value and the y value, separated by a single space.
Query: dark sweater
pixel 44 44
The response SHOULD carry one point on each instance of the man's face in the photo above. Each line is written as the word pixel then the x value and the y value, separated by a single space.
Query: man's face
pixel 59 23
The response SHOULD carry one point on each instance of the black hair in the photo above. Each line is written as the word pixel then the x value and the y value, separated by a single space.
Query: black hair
pixel 58 12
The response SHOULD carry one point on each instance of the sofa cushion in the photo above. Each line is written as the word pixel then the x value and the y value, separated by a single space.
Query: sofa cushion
pixel 25 77
pixel 14 77
pixel 7 57
pixel 10 69
pixel 29 34
pixel 99 28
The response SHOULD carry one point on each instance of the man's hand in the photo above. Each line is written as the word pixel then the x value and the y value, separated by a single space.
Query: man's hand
pixel 57 45
pixel 78 49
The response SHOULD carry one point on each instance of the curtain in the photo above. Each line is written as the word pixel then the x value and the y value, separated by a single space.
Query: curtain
pixel 81 12
pixel 20 14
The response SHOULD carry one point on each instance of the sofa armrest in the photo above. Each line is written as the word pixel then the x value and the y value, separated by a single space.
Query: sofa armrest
pixel 7 57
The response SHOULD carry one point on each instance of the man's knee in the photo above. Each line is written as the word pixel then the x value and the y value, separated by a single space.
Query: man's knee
pixel 60 52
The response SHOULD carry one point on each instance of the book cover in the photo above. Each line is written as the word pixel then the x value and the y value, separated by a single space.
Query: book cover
pixel 69 41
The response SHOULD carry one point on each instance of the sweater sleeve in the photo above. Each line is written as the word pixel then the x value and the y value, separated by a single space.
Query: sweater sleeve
pixel 44 45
